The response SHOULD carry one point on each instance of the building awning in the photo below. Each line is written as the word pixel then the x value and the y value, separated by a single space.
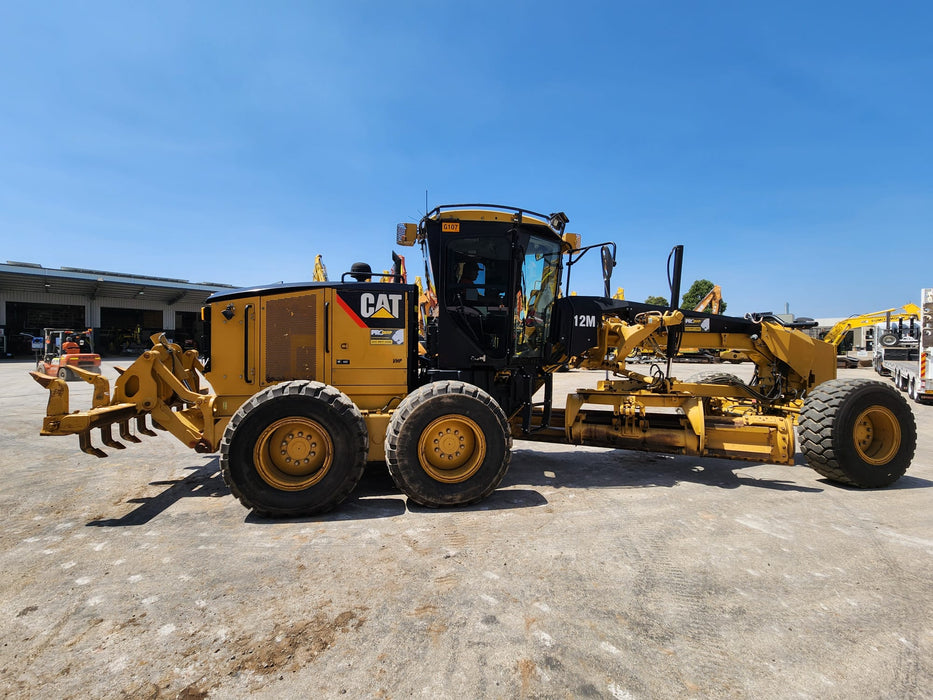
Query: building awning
pixel 98 284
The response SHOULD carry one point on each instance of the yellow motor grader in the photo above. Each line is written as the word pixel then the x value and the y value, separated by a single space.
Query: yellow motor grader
pixel 310 381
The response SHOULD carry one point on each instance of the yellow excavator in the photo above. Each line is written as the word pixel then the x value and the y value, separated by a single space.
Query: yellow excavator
pixel 309 381
pixel 320 272
pixel 713 299
pixel 908 312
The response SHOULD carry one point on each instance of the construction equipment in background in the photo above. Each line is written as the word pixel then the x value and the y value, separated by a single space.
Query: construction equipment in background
pixel 67 350
pixel 620 294
pixel 905 351
pixel 909 312
pixel 427 305
pixel 713 299
pixel 320 272
pixel 398 273
pixel 312 380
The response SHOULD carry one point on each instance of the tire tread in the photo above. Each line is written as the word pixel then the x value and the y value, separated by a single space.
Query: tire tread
pixel 334 398
pixel 415 400
pixel 817 427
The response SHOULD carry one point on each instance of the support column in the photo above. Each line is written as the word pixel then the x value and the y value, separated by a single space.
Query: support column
pixel 92 313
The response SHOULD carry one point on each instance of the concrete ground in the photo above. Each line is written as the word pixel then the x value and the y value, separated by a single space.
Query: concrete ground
pixel 590 573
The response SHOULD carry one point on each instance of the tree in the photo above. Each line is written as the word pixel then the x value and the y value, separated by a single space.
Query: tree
pixel 659 301
pixel 694 295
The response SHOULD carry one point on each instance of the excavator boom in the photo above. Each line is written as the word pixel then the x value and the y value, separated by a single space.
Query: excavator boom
pixel 837 333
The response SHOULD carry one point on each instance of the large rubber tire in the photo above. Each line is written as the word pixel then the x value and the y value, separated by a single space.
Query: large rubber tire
pixel 448 444
pixel 297 448
pixel 712 377
pixel 65 374
pixel 859 432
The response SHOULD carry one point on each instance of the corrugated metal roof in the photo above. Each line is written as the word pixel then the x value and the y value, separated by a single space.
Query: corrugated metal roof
pixel 30 277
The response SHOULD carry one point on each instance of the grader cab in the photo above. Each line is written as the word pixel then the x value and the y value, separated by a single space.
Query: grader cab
pixel 311 381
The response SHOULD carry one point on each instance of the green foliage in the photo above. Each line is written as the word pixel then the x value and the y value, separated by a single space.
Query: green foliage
pixel 694 295
pixel 660 301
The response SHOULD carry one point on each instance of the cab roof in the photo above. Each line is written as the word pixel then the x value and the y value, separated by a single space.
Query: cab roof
pixel 497 212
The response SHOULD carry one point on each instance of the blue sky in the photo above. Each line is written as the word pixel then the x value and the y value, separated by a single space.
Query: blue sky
pixel 786 145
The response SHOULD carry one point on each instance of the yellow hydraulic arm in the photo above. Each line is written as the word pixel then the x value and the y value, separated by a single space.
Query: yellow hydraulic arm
pixel 713 299
pixel 320 272
pixel 809 362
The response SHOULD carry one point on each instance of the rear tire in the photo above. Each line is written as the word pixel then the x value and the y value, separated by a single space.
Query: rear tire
pixel 859 432
pixel 64 374
pixel 297 448
pixel 448 444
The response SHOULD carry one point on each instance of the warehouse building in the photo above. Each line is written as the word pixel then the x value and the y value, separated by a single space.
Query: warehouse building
pixel 122 309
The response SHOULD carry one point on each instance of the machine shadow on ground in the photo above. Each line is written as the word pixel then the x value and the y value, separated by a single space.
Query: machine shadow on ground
pixel 203 482
pixel 376 496
pixel 628 469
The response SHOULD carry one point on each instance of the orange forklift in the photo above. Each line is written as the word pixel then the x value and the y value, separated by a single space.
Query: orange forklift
pixel 64 349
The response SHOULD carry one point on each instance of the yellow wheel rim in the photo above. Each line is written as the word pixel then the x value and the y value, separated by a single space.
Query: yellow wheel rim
pixel 293 454
pixel 452 449
pixel 877 435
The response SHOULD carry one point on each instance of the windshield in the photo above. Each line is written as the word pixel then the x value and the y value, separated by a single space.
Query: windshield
pixel 538 289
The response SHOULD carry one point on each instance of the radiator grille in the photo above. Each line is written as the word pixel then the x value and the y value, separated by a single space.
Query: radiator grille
pixel 291 338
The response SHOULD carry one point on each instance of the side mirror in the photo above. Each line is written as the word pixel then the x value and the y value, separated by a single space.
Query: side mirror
pixel 608 256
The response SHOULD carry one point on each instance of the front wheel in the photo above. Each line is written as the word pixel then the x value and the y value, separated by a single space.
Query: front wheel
pixel 296 448
pixel 859 432
pixel 448 444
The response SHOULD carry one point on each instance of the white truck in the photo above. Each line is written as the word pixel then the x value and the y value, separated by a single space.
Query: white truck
pixel 907 354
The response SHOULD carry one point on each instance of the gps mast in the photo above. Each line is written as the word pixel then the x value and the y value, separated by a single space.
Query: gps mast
pixel 910 360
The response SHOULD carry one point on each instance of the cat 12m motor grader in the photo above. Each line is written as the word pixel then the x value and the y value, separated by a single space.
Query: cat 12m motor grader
pixel 311 381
